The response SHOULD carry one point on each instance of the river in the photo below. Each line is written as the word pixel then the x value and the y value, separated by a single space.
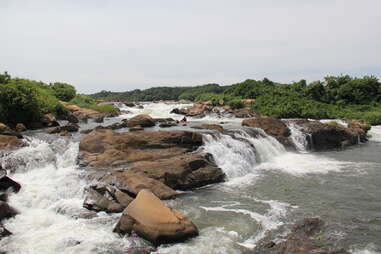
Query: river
pixel 266 188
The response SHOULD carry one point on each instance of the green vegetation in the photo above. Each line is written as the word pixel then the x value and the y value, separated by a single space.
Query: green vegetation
pixel 85 101
pixel 25 101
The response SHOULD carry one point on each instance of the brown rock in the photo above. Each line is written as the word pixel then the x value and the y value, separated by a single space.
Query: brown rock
pixel 10 142
pixel 105 148
pixel 272 126
pixel 142 120
pixel 136 128
pixel 71 127
pixel 132 183
pixel 215 127
pixel 48 120
pixel 151 219
pixel 243 113
pixel 20 127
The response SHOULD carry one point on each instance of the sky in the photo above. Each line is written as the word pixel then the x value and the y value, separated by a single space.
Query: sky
pixel 121 45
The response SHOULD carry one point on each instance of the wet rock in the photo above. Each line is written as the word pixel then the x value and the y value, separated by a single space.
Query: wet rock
pixel 7 184
pixel 304 239
pixel 7 131
pixel 215 127
pixel 71 127
pixel 129 104
pixel 181 172
pixel 106 198
pixel 136 128
pixel 167 124
pixel 132 183
pixel 106 148
pixel 34 125
pixel 152 220
pixel 4 232
pixel 272 126
pixel 20 127
pixel 244 113
pixel 48 120
pixel 10 142
pixel 72 118
pixel 6 211
pixel 143 120
pixel 99 119
pixel 329 136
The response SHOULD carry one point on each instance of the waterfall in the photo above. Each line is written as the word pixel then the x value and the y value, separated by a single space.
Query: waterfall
pixel 239 152
pixel 299 138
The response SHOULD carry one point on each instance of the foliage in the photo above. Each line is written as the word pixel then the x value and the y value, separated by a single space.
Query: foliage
pixel 373 118
pixel 219 99
pixel 194 92
pixel 85 101
pixel 63 91
pixel 4 78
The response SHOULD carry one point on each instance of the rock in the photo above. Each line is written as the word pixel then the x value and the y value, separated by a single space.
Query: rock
pixel 48 120
pixel 129 104
pixel 132 183
pixel 152 220
pixel 99 119
pixel 106 198
pixel 7 183
pixel 34 125
pixel 72 118
pixel 136 128
pixel 181 172
pixel 105 148
pixel 65 134
pixel 167 124
pixel 272 126
pixel 329 136
pixel 10 142
pixel 143 120
pixel 244 113
pixel 20 127
pixel 304 239
pixel 70 127
pixel 5 130
pixel 215 127
pixel 4 232
pixel 6 211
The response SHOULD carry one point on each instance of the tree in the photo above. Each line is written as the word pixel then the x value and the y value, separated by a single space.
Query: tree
pixel 63 91
pixel 4 78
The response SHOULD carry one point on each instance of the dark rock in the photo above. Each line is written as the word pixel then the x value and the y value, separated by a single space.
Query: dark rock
pixel 34 125
pixel 7 183
pixel 71 127
pixel 48 120
pixel 72 118
pixel 4 232
pixel 129 104
pixel 20 127
pixel 167 124
pixel 6 211
pixel 99 119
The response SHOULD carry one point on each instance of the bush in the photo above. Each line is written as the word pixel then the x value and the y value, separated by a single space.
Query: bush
pixel 63 91
pixel 373 118
pixel 85 101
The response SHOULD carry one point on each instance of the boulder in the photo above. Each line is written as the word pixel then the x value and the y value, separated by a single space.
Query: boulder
pixel 7 184
pixel 20 127
pixel 181 172
pixel 5 130
pixel 4 232
pixel 6 211
pixel 198 109
pixel 99 119
pixel 10 142
pixel 143 120
pixel 105 148
pixel 136 128
pixel 106 198
pixel 49 120
pixel 129 104
pixel 70 127
pixel 132 183
pixel 272 126
pixel 167 124
pixel 243 113
pixel 215 127
pixel 324 136
pixel 72 118
pixel 152 220
pixel 303 239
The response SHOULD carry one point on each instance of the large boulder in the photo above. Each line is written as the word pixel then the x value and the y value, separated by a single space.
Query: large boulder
pixel 151 219
pixel 303 239
pixel 272 126
pixel 198 109
pixel 143 120
pixel 329 136
pixel 10 142
pixel 132 183
pixel 105 148
pixel 7 184
pixel 49 120
pixel 181 172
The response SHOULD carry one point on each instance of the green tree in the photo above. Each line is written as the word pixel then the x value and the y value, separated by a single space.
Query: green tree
pixel 63 91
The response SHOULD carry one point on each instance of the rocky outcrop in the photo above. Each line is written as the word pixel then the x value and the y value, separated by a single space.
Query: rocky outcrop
pixel 103 197
pixel 215 127
pixel 181 172
pixel 105 148
pixel 131 183
pixel 272 126
pixel 10 142
pixel 198 109
pixel 142 120
pixel 152 220
pixel 70 127
pixel 324 136
pixel 304 239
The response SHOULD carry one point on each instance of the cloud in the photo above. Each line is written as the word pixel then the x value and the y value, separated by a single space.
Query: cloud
pixel 122 45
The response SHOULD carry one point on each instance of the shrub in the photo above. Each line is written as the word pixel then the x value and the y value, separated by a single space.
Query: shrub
pixel 85 101
pixel 373 118
pixel 63 91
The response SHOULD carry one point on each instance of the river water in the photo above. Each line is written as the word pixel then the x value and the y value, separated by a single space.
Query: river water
pixel 266 188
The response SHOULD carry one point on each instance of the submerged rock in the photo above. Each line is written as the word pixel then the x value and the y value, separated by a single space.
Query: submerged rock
pixel 272 126
pixel 304 239
pixel 152 220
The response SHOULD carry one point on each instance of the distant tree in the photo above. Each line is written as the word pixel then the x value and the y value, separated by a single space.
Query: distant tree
pixel 63 91
pixel 4 78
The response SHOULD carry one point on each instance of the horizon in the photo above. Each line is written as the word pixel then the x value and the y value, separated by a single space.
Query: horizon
pixel 124 45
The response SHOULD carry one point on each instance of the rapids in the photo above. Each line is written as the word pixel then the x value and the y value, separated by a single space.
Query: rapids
pixel 266 188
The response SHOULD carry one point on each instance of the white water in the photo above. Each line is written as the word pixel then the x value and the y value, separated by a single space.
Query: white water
pixel 375 133
pixel 299 138
pixel 50 205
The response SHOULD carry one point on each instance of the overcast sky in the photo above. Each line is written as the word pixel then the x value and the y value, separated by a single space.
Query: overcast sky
pixel 122 45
